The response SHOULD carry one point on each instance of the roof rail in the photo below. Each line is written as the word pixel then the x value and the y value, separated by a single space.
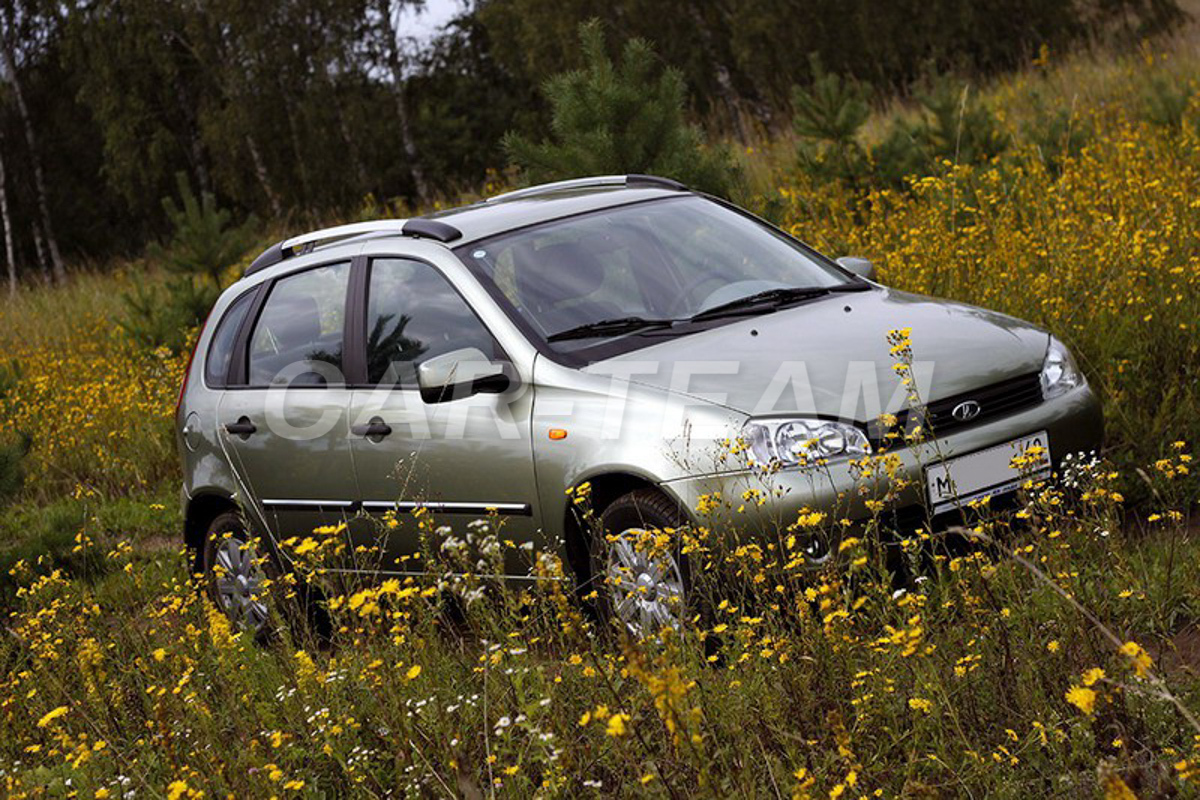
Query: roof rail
pixel 586 183
pixel 342 231
pixel 637 179
pixel 305 243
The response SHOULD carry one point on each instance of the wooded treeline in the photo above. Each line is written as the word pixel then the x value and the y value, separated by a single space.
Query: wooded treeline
pixel 303 108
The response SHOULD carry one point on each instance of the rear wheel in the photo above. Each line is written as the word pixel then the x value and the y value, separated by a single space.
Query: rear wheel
pixel 644 586
pixel 235 573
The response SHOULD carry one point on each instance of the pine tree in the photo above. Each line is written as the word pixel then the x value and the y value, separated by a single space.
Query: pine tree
pixel 621 118
pixel 960 129
pixel 202 248
pixel 164 315
pixel 204 244
pixel 831 108
pixel 827 116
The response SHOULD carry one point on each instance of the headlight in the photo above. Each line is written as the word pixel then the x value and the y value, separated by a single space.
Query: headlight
pixel 803 441
pixel 1059 373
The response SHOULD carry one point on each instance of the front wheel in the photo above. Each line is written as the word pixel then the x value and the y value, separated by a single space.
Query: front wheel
pixel 644 582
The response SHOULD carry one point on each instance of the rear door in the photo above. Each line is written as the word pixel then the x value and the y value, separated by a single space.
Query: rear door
pixel 462 460
pixel 283 419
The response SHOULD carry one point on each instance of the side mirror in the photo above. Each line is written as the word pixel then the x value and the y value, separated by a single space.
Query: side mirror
pixel 859 266
pixel 459 374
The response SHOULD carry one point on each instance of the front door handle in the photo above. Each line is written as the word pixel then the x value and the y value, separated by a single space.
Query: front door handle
pixel 243 428
pixel 375 430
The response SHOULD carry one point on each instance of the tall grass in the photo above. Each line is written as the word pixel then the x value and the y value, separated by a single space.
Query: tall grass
pixel 97 408
pixel 978 680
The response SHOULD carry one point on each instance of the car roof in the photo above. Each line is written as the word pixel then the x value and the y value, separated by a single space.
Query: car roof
pixel 484 219
pixel 490 218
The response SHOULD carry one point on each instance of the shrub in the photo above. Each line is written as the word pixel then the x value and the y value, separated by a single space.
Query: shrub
pixel 958 127
pixel 1165 101
pixel 163 315
pixel 954 126
pixel 204 244
pixel 900 155
pixel 203 247
pixel 12 473
pixel 1057 136
pixel 13 446
pixel 828 116
pixel 621 118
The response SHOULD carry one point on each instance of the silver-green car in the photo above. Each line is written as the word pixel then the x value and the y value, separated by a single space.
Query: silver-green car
pixel 662 348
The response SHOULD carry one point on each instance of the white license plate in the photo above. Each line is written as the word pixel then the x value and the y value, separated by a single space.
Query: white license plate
pixel 957 481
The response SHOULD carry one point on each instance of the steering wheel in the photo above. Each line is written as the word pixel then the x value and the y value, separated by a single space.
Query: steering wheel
pixel 679 304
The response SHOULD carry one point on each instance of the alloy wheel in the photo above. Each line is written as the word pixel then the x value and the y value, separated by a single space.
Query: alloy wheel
pixel 239 583
pixel 646 588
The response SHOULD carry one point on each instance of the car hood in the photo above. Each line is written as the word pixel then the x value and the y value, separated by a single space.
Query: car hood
pixel 831 357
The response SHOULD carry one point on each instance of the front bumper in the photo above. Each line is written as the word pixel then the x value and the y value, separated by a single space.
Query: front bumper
pixel 747 502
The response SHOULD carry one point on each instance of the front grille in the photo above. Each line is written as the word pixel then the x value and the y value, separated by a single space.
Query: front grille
pixel 995 401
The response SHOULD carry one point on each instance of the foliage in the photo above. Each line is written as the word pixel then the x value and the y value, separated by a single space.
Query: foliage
pixel 749 53
pixel 204 243
pixel 830 111
pixel 287 109
pixel 14 445
pixel 952 127
pixel 901 154
pixel 166 314
pixel 1058 136
pixel 201 251
pixel 832 108
pixel 621 118
pixel 959 128
pixel 1165 100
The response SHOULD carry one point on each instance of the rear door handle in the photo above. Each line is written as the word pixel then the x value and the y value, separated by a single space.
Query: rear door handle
pixel 375 430
pixel 243 428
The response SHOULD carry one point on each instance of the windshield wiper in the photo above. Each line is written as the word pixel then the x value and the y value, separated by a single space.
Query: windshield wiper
pixel 772 299
pixel 609 327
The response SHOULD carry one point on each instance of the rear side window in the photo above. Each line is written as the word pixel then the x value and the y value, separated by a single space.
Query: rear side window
pixel 414 314
pixel 298 338
pixel 220 351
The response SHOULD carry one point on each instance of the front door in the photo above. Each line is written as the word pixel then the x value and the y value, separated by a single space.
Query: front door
pixel 459 461
pixel 284 418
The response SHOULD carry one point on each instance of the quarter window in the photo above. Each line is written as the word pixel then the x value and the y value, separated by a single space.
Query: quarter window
pixel 413 314
pixel 220 351
pixel 298 339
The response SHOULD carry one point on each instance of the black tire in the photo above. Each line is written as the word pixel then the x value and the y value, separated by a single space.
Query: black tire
pixel 645 509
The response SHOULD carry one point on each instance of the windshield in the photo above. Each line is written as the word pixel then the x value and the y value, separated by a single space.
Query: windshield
pixel 662 260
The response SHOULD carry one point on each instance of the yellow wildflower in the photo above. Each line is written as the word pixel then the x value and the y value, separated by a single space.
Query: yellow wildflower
pixel 1083 699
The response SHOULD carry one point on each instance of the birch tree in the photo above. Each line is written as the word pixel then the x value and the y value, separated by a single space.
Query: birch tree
pixel 8 62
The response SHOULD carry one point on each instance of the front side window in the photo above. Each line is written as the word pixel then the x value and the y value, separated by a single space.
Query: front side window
pixel 220 351
pixel 298 338
pixel 661 260
pixel 413 314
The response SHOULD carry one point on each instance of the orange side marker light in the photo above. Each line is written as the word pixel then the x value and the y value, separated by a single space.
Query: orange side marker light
pixel 557 434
